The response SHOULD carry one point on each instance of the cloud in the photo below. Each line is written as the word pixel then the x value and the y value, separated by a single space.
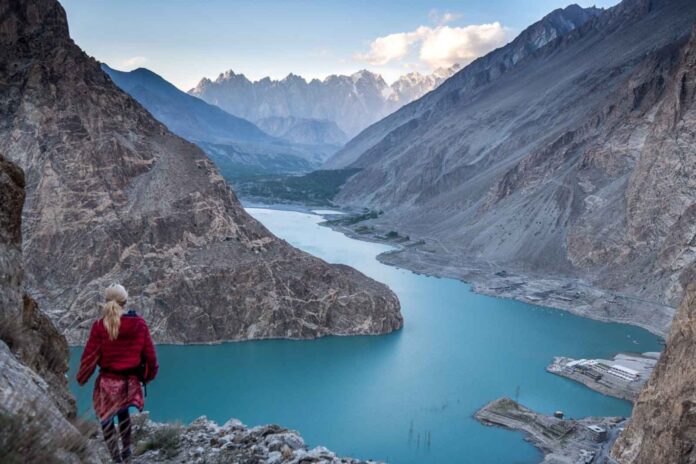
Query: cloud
pixel 391 47
pixel 134 62
pixel 437 46
pixel 445 46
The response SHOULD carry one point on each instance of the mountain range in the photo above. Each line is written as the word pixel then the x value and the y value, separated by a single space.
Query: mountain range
pixel 352 102
pixel 567 155
pixel 239 147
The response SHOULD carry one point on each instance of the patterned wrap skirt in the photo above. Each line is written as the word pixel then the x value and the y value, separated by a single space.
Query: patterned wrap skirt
pixel 114 393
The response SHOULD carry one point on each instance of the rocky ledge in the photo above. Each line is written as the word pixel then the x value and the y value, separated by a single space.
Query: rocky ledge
pixel 563 441
pixel 204 441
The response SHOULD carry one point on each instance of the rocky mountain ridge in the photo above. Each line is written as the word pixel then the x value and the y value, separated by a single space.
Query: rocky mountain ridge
pixel 571 160
pixel 304 130
pixel 352 102
pixel 112 195
pixel 238 147
pixel 480 72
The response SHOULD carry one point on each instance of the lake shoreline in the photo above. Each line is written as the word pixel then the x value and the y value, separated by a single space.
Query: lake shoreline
pixel 565 293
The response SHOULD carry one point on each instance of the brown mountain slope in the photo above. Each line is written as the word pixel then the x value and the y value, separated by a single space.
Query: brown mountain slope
pixel 576 162
pixel 663 425
pixel 112 195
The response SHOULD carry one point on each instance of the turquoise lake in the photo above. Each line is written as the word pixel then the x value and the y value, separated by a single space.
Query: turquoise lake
pixel 380 397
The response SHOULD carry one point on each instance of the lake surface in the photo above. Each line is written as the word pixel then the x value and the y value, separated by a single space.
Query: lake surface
pixel 382 397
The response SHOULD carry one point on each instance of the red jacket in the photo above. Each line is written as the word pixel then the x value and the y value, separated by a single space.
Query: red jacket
pixel 132 345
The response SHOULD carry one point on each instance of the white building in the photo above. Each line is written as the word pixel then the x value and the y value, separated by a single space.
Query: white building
pixel 624 372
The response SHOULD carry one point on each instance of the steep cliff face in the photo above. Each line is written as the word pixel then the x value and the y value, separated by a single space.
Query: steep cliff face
pixel 35 403
pixel 112 195
pixel 575 159
pixel 27 332
pixel 663 425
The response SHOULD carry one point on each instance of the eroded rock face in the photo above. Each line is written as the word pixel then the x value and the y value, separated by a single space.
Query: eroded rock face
pixel 663 425
pixel 573 159
pixel 27 333
pixel 11 201
pixel 112 196
pixel 35 404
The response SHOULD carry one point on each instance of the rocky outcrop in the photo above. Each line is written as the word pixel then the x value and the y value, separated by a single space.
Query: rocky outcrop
pixel 11 201
pixel 663 425
pixel 205 441
pixel 35 403
pixel 567 155
pixel 25 331
pixel 112 195
pixel 32 427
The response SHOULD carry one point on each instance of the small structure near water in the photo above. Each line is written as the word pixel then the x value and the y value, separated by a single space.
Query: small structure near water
pixel 623 377
pixel 561 440
pixel 598 434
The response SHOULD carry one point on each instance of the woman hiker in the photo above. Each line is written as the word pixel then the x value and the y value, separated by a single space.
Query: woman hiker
pixel 120 344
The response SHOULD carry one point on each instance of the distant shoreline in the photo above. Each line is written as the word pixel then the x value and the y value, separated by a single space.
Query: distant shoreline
pixel 564 293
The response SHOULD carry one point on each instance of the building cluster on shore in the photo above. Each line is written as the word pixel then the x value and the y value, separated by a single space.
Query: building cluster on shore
pixel 623 377
pixel 596 369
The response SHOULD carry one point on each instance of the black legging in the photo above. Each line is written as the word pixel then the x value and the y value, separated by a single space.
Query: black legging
pixel 111 438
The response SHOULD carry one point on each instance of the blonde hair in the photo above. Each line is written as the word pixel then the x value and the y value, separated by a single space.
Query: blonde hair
pixel 116 297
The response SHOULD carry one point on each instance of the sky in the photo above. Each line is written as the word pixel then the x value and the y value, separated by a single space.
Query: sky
pixel 186 40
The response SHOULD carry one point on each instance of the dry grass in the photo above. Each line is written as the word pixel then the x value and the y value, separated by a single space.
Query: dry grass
pixel 166 439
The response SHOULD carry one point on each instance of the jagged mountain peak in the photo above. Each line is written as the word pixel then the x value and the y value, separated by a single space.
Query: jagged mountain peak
pixel 351 101
pixel 365 74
